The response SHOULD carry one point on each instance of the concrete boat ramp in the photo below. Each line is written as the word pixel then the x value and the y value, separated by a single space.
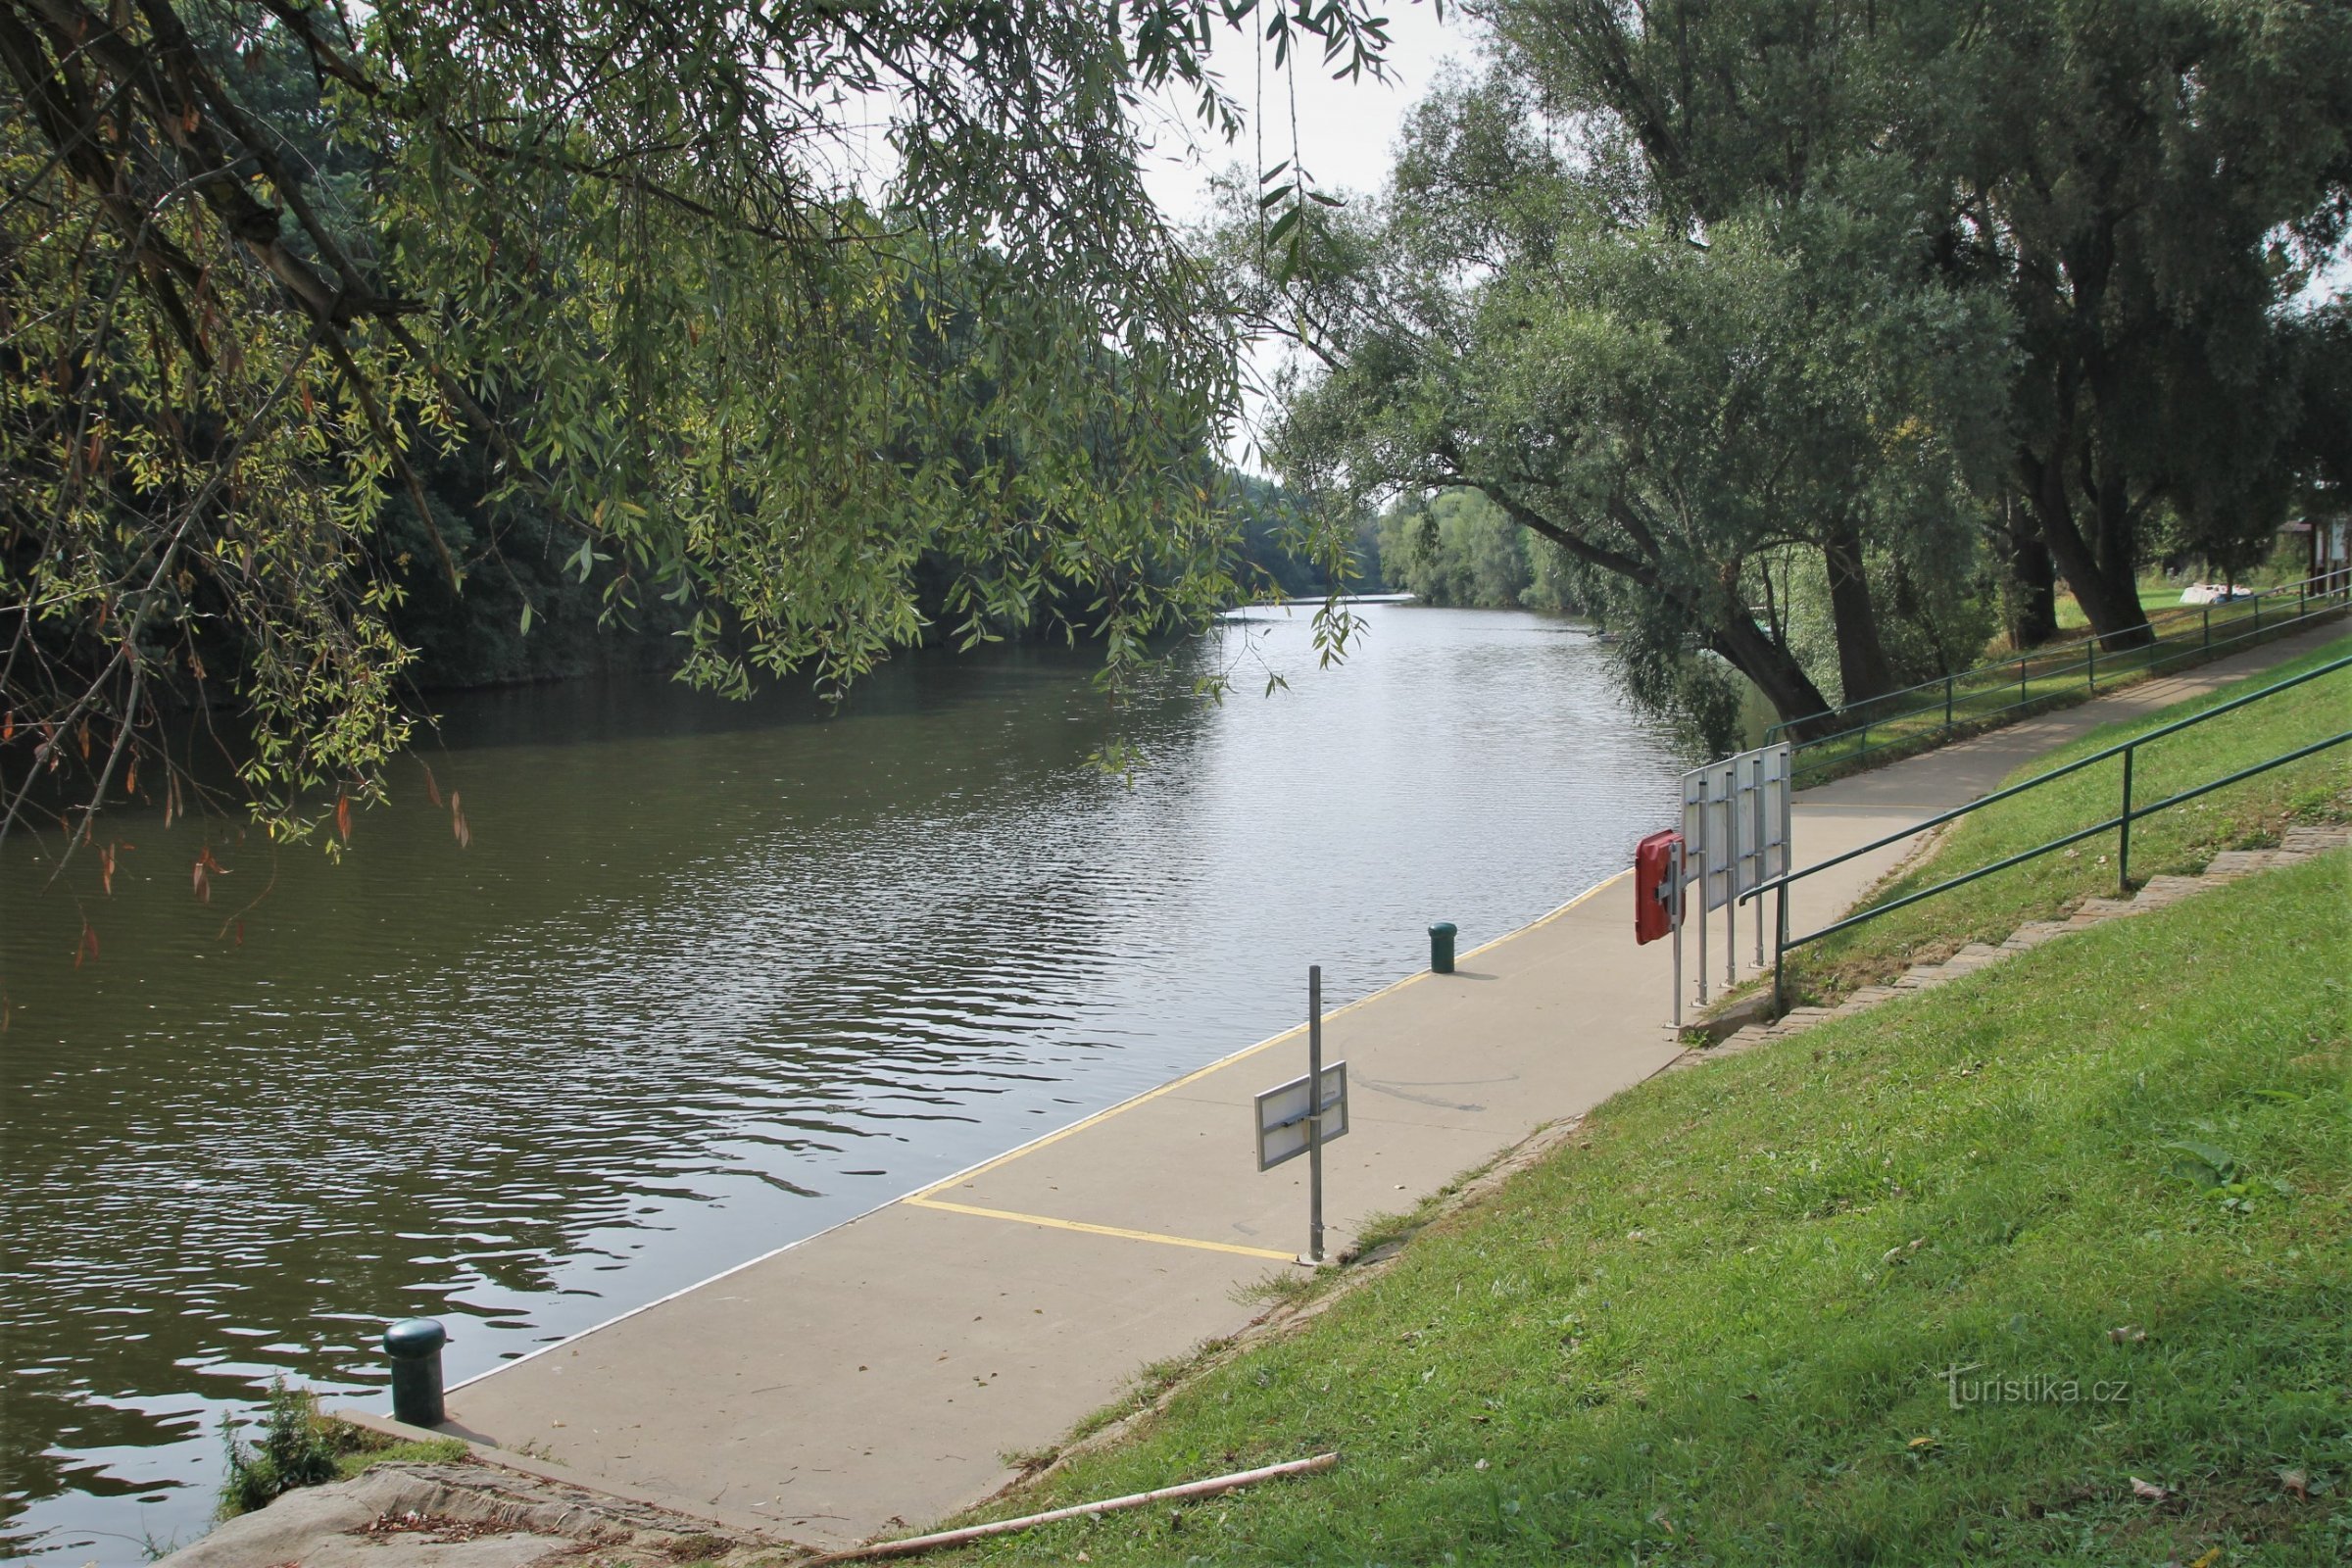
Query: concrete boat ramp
pixel 875 1376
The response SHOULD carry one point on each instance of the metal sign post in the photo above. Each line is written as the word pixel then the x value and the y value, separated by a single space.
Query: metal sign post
pixel 1736 831
pixel 1314 1124
pixel 1673 881
pixel 1292 1120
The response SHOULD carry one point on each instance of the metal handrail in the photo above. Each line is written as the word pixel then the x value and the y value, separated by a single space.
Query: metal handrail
pixel 2120 823
pixel 1953 719
pixel 2325 586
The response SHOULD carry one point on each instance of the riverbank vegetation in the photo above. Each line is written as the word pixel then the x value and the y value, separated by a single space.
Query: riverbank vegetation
pixel 2014 1268
pixel 1825 342
pixel 770 334
pixel 349 348
pixel 298 1445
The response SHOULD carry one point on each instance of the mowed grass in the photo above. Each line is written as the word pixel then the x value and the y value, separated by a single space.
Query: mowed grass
pixel 2155 593
pixel 2179 840
pixel 1721 1327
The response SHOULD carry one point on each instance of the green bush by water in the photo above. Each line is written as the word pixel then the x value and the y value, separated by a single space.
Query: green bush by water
pixel 301 1447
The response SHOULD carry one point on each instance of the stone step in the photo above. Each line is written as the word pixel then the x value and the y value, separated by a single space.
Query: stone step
pixel 2237 862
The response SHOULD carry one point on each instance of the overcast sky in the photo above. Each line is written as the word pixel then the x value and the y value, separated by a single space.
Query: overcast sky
pixel 1346 129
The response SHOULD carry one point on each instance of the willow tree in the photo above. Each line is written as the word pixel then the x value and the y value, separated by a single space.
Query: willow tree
pixel 684 268
pixel 2148 186
pixel 1674 409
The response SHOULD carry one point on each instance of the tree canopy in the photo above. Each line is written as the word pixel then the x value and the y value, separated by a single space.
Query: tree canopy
pixel 1895 295
pixel 767 302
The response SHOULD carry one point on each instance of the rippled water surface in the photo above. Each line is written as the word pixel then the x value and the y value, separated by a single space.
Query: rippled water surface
pixel 710 978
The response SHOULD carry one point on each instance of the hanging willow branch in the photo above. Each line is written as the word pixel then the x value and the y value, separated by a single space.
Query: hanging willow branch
pixel 259 263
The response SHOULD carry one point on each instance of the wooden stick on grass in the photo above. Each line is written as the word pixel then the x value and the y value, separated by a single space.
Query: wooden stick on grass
pixel 1138 1500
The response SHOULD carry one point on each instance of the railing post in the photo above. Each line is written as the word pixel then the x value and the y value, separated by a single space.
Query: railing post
pixel 1947 705
pixel 2209 628
pixel 2257 616
pixel 2123 848
pixel 1780 946
pixel 2021 681
pixel 2090 661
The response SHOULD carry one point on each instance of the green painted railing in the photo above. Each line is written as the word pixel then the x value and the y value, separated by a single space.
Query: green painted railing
pixel 1935 710
pixel 2120 824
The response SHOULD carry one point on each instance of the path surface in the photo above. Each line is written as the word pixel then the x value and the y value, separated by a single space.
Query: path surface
pixel 874 1375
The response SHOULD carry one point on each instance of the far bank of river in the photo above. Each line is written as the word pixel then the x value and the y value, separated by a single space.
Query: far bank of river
pixel 710 978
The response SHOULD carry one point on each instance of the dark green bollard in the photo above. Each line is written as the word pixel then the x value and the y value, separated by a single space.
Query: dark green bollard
pixel 414 1345
pixel 1440 948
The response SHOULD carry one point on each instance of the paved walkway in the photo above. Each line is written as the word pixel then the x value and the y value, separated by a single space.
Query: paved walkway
pixel 876 1374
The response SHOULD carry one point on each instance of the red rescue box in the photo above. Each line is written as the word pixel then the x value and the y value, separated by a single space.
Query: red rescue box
pixel 1653 885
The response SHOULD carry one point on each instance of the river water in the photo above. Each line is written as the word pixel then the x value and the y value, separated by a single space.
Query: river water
pixel 709 977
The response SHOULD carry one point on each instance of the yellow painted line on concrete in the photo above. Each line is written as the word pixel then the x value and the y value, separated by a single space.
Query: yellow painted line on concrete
pixel 1102 1230
pixel 1223 1062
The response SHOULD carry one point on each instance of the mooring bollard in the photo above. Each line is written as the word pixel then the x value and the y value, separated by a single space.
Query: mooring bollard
pixel 1440 948
pixel 414 1345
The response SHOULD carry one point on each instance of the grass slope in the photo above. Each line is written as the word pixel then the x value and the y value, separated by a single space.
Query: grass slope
pixel 2177 841
pixel 1717 1328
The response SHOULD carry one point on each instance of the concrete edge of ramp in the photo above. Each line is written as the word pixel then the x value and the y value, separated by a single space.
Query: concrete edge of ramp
pixel 922 1194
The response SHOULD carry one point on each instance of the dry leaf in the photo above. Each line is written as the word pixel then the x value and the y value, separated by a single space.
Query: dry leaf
pixel 2148 1490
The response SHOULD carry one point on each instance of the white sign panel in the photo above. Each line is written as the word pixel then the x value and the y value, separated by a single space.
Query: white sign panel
pixel 1282 1117
pixel 1736 824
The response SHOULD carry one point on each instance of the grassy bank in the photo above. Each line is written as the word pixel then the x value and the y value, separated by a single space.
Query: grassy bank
pixel 1719 1325
pixel 2176 842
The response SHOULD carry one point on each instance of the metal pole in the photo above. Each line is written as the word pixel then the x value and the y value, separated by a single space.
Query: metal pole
pixel 2123 851
pixel 1675 905
pixel 1314 1113
pixel 2209 628
pixel 1731 931
pixel 1703 923
pixel 1763 854
pixel 1947 729
pixel 2021 680
pixel 2090 661
pixel 1779 946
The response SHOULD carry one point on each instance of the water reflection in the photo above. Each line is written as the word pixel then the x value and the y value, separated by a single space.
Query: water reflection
pixel 711 978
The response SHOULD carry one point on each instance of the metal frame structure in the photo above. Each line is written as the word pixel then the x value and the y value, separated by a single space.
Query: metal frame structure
pixel 1736 835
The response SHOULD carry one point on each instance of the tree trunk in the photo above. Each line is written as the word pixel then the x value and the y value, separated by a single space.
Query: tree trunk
pixel 2100 570
pixel 1863 667
pixel 2032 579
pixel 1778 675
